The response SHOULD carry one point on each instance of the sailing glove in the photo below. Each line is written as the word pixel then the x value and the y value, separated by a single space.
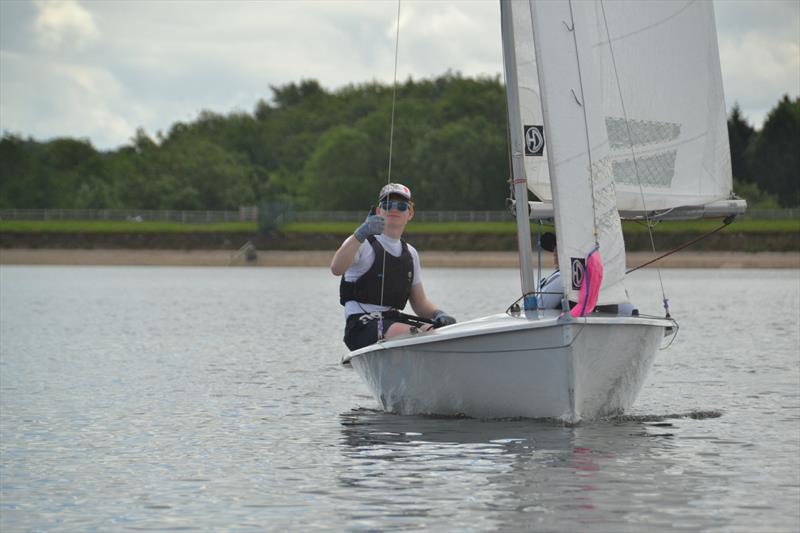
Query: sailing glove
pixel 440 318
pixel 373 225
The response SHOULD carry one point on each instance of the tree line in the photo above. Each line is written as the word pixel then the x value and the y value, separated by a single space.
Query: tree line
pixel 329 150
pixel 766 162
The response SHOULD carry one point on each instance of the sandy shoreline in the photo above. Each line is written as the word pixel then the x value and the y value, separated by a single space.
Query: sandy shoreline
pixel 284 258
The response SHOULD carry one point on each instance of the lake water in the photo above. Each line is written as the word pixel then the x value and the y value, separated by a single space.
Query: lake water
pixel 212 399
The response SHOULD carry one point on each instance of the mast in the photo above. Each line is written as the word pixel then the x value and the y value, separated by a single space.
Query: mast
pixel 517 157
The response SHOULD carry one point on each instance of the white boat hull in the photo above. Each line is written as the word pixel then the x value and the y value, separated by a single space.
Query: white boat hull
pixel 504 366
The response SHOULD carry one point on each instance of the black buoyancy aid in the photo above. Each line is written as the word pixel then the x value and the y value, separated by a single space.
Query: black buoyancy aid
pixel 399 274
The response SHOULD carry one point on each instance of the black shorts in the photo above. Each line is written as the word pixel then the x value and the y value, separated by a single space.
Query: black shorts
pixel 358 333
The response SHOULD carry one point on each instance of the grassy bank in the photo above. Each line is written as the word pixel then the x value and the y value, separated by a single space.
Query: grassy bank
pixel 343 228
pixel 505 228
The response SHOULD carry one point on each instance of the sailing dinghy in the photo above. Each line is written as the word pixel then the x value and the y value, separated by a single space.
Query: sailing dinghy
pixel 614 108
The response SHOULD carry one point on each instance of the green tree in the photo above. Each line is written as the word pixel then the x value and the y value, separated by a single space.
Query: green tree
pixel 774 156
pixel 135 170
pixel 323 149
pixel 70 164
pixel 294 94
pixel 740 134
pixel 756 198
pixel 204 175
pixel 94 193
pixel 464 166
pixel 337 175
pixel 23 181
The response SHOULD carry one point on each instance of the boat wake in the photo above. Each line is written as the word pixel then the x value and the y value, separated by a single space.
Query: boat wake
pixel 695 415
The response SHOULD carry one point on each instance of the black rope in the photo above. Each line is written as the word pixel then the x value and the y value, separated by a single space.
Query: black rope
pixel 725 223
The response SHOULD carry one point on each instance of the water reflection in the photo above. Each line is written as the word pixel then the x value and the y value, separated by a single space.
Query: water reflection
pixel 514 474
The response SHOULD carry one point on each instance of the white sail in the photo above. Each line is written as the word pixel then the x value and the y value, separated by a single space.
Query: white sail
pixel 580 165
pixel 529 107
pixel 667 126
pixel 658 78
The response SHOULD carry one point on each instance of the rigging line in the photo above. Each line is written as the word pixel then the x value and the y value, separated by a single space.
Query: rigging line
pixel 586 124
pixel 633 152
pixel 727 221
pixel 539 264
pixel 394 92
pixel 651 26
pixel 391 145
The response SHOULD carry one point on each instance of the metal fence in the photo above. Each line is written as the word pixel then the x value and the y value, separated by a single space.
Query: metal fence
pixel 250 214
pixel 244 214
pixel 419 216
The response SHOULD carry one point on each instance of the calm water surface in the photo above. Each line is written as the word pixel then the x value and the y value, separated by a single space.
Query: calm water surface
pixel 212 399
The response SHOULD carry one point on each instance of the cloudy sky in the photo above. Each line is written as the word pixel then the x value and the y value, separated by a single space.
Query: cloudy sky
pixel 101 69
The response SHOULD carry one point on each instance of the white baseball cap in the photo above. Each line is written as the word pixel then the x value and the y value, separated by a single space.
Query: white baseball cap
pixel 395 188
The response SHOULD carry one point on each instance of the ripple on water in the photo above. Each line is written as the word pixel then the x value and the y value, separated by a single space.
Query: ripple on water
pixel 160 399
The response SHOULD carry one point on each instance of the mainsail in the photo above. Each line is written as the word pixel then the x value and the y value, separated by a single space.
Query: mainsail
pixel 659 84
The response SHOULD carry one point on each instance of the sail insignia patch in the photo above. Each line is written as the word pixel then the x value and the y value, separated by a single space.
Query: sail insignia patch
pixel 534 140
pixel 578 271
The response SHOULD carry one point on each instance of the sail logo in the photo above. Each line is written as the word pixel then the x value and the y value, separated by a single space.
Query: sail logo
pixel 534 140
pixel 578 269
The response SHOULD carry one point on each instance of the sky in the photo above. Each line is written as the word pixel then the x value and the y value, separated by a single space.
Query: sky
pixel 100 69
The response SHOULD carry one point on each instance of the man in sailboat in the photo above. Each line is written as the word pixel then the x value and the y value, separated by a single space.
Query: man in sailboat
pixel 381 272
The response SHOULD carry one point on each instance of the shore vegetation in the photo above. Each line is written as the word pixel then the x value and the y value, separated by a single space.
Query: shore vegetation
pixel 343 228
pixel 316 149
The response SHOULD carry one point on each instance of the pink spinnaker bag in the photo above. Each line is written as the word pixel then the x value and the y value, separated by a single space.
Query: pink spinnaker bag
pixel 590 288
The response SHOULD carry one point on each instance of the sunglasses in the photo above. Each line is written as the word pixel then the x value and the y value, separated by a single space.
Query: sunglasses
pixel 400 205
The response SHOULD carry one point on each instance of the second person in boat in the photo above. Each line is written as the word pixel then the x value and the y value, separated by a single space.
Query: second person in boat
pixel 550 288
pixel 381 272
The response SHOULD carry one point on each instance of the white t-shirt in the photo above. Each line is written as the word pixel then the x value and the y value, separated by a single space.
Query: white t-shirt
pixel 551 284
pixel 362 262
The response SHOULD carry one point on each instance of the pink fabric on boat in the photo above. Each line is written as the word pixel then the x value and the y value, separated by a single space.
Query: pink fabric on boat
pixel 590 288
